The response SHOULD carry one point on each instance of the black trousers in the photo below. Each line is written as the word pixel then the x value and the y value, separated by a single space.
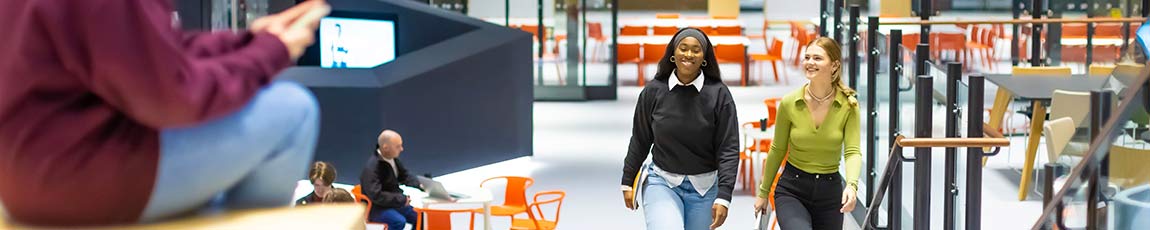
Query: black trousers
pixel 809 201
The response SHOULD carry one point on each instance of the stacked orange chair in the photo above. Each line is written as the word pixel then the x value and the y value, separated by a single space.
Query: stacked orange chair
pixel 514 197
pixel 633 31
pixel 665 30
pixel 537 219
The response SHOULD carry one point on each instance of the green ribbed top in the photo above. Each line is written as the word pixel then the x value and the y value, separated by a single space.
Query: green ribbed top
pixel 815 150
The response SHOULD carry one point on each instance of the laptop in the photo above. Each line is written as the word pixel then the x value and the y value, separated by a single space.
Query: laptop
pixel 435 190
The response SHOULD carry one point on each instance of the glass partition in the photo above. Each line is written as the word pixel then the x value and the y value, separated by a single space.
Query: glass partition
pixel 572 44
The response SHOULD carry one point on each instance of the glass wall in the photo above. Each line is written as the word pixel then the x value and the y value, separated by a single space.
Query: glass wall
pixel 572 48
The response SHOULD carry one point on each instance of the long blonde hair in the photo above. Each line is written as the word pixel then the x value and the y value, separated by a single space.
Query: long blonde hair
pixel 835 53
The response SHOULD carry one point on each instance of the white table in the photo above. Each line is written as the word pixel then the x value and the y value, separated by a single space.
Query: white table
pixel 680 22
pixel 752 135
pixel 475 196
pixel 418 198
pixel 520 21
pixel 661 39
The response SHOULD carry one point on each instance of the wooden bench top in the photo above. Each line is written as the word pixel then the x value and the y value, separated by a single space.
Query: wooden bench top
pixel 343 216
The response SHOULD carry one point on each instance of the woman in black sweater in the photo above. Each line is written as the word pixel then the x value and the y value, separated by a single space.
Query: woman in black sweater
pixel 687 115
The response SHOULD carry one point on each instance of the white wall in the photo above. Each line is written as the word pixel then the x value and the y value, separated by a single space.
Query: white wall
pixel 519 8
pixel 791 10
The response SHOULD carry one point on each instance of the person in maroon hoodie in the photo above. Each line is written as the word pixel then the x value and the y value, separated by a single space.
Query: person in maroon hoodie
pixel 109 114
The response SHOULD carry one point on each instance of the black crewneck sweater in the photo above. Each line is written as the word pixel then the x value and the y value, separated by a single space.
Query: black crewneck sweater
pixel 691 132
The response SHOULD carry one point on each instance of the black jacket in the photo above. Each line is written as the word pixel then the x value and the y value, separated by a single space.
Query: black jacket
pixel 686 132
pixel 381 185
pixel 309 199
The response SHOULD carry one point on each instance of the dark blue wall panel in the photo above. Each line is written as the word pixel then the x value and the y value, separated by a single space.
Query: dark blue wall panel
pixel 460 93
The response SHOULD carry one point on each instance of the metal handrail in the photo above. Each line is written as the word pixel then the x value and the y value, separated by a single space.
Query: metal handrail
pixel 1016 21
pixel 902 141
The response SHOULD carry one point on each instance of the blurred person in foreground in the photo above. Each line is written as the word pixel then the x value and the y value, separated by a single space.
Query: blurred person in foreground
pixel 338 195
pixel 110 114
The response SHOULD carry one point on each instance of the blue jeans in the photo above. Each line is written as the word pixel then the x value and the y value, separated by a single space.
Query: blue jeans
pixel 395 218
pixel 249 159
pixel 680 207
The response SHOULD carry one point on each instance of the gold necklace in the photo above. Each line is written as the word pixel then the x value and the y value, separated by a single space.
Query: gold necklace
pixel 817 99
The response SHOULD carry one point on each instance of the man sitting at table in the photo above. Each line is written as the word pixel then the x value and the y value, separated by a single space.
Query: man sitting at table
pixel 381 179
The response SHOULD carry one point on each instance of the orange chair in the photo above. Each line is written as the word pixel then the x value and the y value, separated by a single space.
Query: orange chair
pixel 950 42
pixel 438 219
pixel 802 37
pixel 665 30
pixel 629 53
pixel 729 31
pixel 514 197
pixel 667 15
pixel 710 31
pixel 774 55
pixel 733 53
pixel 652 54
pixel 595 33
pixel 633 31
pixel 357 191
pixel 536 219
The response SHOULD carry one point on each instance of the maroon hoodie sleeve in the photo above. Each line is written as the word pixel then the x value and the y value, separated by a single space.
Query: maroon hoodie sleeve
pixel 142 65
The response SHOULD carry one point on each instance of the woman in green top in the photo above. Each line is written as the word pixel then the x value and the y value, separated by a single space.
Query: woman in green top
pixel 816 127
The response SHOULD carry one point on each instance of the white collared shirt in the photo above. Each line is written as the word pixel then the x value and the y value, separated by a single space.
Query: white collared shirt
pixel 674 80
pixel 394 170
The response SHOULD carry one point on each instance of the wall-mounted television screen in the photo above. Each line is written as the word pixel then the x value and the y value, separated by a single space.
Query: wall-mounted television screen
pixel 353 40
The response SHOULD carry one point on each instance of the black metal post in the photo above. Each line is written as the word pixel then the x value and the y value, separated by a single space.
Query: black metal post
pixel 1036 34
pixel 1016 12
pixel 1052 171
pixel 539 37
pixel 872 109
pixel 1054 33
pixel 614 50
pixel 950 187
pixel 923 108
pixel 1126 27
pixel 924 12
pixel 1089 44
pixel 894 207
pixel 921 57
pixel 976 84
pixel 838 8
pixel 1100 111
pixel 823 15
pixel 1145 8
pixel 853 47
